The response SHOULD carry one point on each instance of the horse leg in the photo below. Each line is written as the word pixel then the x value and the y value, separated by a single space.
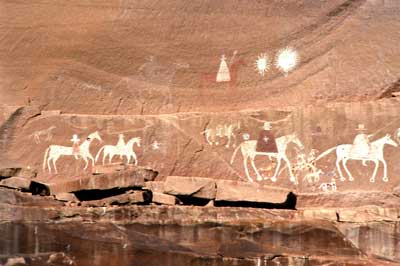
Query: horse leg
pixel 344 162
pixel 91 158
pixel 135 158
pixel 259 177
pixel 54 164
pixel 48 164
pixel 372 179
pixel 229 142
pixel 110 156
pixel 247 170
pixel 385 177
pixel 86 162
pixel 104 157
pixel 292 176
pixel 278 166
pixel 342 178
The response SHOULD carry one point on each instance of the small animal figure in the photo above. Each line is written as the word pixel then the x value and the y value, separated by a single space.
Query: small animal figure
pixel 44 132
pixel 329 187
pixel 313 177
pixel 222 131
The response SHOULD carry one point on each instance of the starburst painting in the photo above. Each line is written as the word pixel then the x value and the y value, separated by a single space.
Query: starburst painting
pixel 287 60
pixel 262 64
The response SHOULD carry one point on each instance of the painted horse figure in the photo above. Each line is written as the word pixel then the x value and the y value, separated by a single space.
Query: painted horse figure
pixel 248 149
pixel 126 150
pixel 54 152
pixel 375 154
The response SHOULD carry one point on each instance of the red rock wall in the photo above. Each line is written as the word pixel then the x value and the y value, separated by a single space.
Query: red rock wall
pixel 148 69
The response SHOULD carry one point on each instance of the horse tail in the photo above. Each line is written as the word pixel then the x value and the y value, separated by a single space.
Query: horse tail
pixel 46 153
pixel 325 153
pixel 234 154
pixel 98 153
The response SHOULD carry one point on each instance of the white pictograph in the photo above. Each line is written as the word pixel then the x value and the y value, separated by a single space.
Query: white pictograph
pixel 120 149
pixel 223 74
pixel 287 60
pixel 213 135
pixel 54 152
pixel 313 177
pixel 329 187
pixel 47 133
pixel 155 145
pixel 248 150
pixel 375 154
pixel 262 64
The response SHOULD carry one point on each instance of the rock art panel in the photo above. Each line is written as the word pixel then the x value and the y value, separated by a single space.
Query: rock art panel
pixel 121 148
pixel 300 149
pixel 78 151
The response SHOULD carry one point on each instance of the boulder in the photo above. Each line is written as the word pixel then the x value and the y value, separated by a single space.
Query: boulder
pixel 132 197
pixel 28 173
pixel 155 186
pixel 164 199
pixel 16 262
pixel 228 190
pixel 130 177
pixel 69 197
pixel 198 187
pixel 16 182
pixel 9 172
pixel 13 197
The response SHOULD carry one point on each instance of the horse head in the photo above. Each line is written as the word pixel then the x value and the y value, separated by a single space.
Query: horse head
pixel 293 138
pixel 94 135
pixel 133 141
pixel 388 140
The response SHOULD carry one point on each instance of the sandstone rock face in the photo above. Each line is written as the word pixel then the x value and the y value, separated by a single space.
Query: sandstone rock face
pixel 243 191
pixel 133 197
pixel 119 179
pixel 164 199
pixel 190 186
pixel 16 182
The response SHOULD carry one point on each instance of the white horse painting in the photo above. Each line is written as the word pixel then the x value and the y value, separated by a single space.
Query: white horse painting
pixel 375 154
pixel 54 152
pixel 248 149
pixel 126 150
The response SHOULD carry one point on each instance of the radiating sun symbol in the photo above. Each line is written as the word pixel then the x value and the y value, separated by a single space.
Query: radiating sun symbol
pixel 262 64
pixel 287 60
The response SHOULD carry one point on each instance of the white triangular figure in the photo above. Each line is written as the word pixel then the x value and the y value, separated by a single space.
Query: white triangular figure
pixel 223 74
